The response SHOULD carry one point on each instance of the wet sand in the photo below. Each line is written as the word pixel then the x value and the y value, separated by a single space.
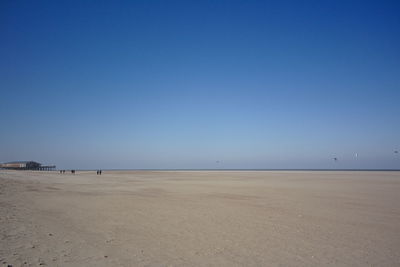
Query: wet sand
pixel 200 218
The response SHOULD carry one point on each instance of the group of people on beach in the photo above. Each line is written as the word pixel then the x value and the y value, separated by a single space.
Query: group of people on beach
pixel 73 172
pixel 63 171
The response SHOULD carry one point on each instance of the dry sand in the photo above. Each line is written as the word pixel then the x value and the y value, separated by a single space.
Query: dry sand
pixel 200 218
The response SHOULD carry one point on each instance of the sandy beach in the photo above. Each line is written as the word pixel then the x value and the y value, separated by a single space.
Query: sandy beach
pixel 200 218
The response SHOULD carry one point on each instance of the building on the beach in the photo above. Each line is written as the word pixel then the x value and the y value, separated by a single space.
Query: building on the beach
pixel 26 165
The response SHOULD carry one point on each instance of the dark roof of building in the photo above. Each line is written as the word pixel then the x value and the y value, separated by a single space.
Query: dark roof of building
pixel 15 162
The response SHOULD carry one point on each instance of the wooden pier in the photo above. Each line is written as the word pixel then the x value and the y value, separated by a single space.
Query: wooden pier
pixel 27 165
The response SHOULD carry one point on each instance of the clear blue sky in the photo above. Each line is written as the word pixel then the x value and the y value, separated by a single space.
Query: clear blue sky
pixel 252 84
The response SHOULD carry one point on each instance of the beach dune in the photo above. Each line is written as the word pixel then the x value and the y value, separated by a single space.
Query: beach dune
pixel 200 218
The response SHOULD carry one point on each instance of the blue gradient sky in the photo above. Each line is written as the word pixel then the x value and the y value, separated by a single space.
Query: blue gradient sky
pixel 253 84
